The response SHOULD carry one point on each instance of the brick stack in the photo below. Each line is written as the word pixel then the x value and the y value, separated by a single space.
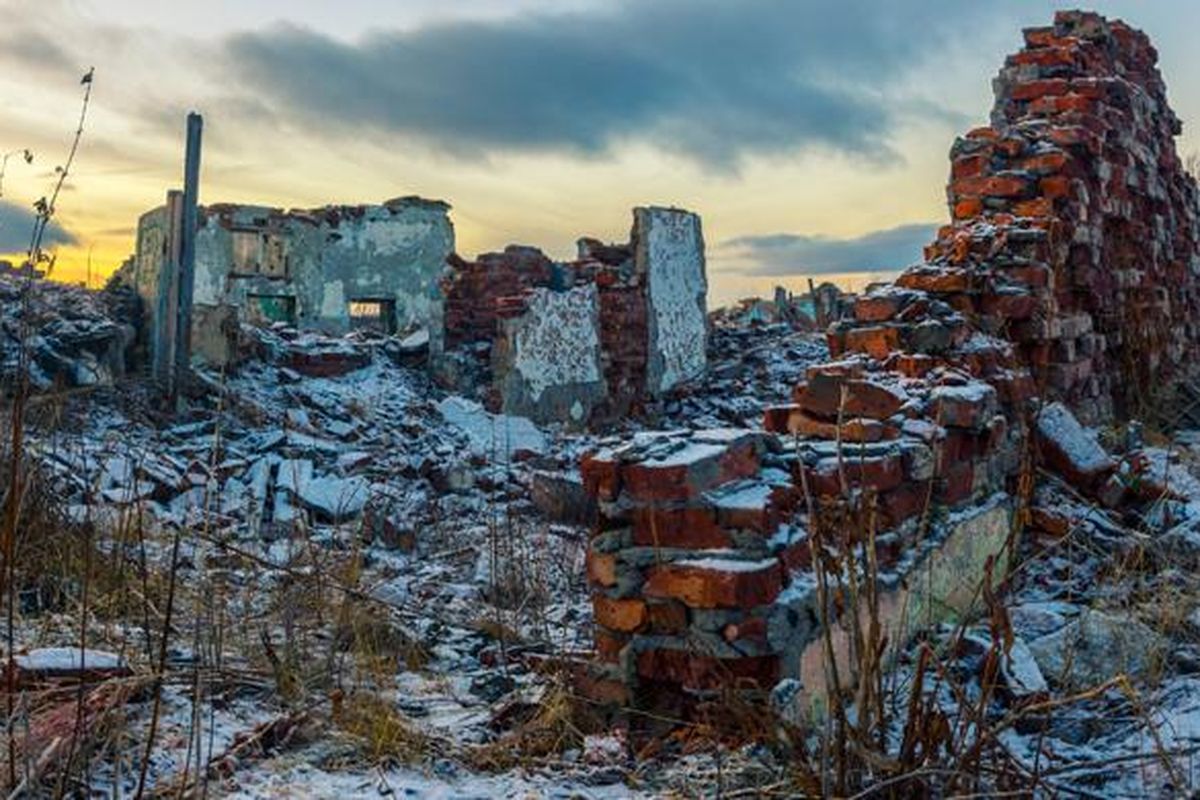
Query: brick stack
pixel 1068 271
pixel 1074 226
pixel 689 558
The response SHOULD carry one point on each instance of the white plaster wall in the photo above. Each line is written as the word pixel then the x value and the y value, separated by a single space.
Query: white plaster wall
pixel 674 263
pixel 559 343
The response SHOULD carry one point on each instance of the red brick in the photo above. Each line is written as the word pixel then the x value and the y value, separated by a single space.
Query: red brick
pixel 716 583
pixel 689 472
pixel 912 365
pixel 601 568
pixel 753 630
pixel 985 133
pixel 990 186
pixel 1045 163
pixel 609 645
pixel 625 616
pixel 1051 520
pixel 852 430
pixel 939 281
pixel 831 397
pixel 880 473
pixel 968 208
pixel 797 556
pixel 667 617
pixel 956 483
pixel 878 307
pixel 876 342
pixel 1037 207
pixel 902 503
pixel 1070 449
pixel 699 672
pixel 689 527
pixel 776 418
pixel 1045 57
pixel 968 166
pixel 970 406
pixel 1038 88
pixel 601 476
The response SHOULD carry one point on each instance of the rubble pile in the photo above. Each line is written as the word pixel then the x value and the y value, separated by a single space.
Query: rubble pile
pixel 73 338
pixel 583 342
pixel 1071 216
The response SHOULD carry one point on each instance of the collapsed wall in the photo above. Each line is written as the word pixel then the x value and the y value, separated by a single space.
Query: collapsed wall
pixel 584 341
pixel 1068 273
pixel 329 269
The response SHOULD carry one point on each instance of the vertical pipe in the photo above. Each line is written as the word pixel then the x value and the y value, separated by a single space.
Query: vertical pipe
pixel 187 251
pixel 166 306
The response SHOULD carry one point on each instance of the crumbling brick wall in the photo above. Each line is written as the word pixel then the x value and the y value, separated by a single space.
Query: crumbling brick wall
pixel 1068 272
pixel 584 341
pixel 1074 225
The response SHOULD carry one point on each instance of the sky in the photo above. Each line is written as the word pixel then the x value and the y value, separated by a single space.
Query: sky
pixel 811 135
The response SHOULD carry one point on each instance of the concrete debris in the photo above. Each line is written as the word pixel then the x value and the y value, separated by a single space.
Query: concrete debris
pixel 925 411
pixel 76 338
pixel 698 550
pixel 1096 647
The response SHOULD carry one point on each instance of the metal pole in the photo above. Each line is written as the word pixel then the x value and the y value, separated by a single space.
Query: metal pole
pixel 187 252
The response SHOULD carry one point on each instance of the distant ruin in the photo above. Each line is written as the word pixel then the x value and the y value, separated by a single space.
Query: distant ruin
pixel 1070 272
pixel 330 269
pixel 583 341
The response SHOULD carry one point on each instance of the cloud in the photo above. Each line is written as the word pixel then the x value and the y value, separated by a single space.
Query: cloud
pixel 783 254
pixel 16 226
pixel 712 80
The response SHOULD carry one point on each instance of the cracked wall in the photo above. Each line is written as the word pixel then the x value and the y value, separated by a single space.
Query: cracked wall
pixel 586 341
pixel 259 264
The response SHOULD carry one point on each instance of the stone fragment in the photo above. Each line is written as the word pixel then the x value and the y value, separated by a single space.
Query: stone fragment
pixel 1071 449
pixel 1095 647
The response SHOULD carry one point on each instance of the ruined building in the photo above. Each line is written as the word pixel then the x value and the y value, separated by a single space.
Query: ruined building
pixel 1065 284
pixel 583 341
pixel 330 269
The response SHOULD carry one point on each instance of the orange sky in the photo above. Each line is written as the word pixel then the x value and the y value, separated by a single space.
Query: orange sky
pixel 153 63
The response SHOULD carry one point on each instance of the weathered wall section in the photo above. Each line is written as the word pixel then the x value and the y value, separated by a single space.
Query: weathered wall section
pixel 258 264
pixel 669 252
pixel 583 341
pixel 1069 272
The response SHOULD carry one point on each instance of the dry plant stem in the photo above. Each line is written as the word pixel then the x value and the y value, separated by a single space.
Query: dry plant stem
pixel 14 496
pixel 160 670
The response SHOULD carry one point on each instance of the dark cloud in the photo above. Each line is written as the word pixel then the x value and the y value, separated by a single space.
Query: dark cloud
pixel 793 254
pixel 34 49
pixel 16 227
pixel 713 80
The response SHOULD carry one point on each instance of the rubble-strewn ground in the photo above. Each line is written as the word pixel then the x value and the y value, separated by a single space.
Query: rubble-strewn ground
pixel 376 586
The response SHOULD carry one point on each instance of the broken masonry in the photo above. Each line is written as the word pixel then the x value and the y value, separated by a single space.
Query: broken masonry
pixel 1066 281
pixel 585 341
pixel 331 269
pixel 580 342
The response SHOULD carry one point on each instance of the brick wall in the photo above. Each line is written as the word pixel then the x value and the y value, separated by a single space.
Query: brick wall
pixel 1067 273
pixel 640 292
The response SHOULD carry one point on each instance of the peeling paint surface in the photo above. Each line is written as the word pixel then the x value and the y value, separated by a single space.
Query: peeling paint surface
pixel 672 249
pixel 322 259
pixel 559 344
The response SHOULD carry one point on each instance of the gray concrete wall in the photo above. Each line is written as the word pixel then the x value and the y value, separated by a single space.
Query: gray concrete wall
pixel 550 358
pixel 669 252
pixel 320 259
